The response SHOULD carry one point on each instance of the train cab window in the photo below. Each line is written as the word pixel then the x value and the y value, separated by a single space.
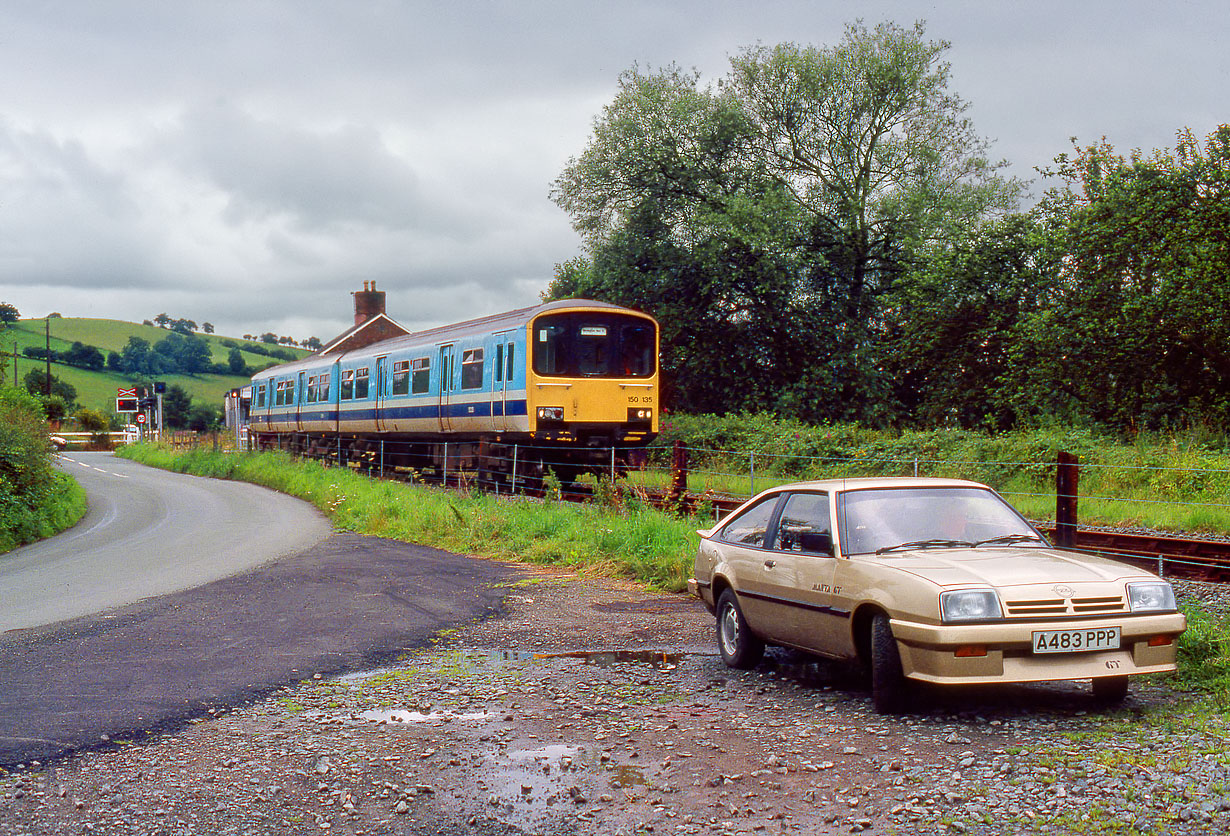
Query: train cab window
pixel 636 350
pixel 420 375
pixel 347 387
pixel 361 380
pixel 593 355
pixel 551 348
pixel 260 395
pixel 472 368
pixel 401 377
pixel 593 345
pixel 508 362
pixel 498 366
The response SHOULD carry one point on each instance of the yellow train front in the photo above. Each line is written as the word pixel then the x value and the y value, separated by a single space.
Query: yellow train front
pixel 567 387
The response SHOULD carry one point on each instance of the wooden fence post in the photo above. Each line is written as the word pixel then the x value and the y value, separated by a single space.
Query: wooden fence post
pixel 1067 478
pixel 679 472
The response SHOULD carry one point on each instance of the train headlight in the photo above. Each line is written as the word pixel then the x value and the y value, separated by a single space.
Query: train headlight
pixel 550 413
pixel 640 414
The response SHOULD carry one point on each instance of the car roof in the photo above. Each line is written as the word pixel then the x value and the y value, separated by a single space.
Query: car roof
pixel 872 482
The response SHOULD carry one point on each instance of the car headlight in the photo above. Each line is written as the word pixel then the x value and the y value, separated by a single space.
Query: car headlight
pixel 969 605
pixel 1151 596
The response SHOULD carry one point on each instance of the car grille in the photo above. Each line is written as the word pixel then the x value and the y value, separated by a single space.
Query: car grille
pixel 1065 606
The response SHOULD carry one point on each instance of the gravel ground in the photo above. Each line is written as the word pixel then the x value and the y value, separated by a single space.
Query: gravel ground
pixel 597 707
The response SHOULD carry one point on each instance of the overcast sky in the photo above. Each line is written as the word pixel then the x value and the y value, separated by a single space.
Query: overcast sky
pixel 252 163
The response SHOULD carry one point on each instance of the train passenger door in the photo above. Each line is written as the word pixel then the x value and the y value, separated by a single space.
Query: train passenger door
pixel 446 387
pixel 382 378
pixel 501 372
pixel 300 398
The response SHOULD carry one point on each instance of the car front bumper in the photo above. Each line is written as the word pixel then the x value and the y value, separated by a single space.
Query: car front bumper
pixel 929 652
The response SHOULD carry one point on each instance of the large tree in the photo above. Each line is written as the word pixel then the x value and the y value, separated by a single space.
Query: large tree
pixel 769 212
pixel 1140 323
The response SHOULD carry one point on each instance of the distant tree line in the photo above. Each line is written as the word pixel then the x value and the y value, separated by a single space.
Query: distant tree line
pixel 823 236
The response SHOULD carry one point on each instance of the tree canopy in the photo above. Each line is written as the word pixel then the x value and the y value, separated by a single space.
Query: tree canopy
pixel 823 235
pixel 771 211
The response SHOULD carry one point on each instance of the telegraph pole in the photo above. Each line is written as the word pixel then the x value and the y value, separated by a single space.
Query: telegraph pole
pixel 47 332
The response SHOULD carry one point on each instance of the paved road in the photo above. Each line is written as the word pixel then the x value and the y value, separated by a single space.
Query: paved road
pixel 346 603
pixel 148 532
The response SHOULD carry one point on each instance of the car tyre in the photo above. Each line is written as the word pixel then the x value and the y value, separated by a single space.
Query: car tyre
pixel 888 682
pixel 739 647
pixel 1110 690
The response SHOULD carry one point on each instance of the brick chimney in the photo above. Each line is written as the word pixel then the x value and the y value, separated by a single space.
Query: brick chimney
pixel 368 303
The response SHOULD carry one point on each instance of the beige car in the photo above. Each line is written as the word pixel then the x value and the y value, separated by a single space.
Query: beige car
pixel 931 580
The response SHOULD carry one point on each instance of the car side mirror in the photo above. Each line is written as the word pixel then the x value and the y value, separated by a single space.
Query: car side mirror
pixel 816 542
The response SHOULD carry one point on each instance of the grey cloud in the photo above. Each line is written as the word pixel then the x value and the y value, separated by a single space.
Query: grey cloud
pixel 322 179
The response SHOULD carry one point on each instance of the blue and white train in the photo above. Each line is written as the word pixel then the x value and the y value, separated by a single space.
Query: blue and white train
pixel 561 384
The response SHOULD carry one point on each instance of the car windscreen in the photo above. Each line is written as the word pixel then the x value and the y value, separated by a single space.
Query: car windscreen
pixel 880 521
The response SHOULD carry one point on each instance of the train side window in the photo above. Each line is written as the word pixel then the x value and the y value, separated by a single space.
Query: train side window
pixel 361 378
pixel 260 395
pixel 311 389
pixel 420 372
pixel 498 366
pixel 401 377
pixel 472 368
pixel 508 372
pixel 347 384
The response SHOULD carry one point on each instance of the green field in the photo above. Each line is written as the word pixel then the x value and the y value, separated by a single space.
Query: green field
pixel 96 390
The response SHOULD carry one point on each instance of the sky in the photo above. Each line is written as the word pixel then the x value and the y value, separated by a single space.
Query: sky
pixel 252 163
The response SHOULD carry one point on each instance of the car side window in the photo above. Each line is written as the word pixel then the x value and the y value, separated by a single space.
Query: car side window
pixel 751 527
pixel 805 525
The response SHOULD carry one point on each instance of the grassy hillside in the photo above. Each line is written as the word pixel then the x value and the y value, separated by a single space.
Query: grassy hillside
pixel 96 390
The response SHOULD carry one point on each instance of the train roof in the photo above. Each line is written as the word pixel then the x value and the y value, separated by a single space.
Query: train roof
pixel 482 325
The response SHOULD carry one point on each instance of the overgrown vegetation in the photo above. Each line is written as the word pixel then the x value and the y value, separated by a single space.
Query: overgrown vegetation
pixel 625 539
pixel 1173 481
pixel 36 501
pixel 823 236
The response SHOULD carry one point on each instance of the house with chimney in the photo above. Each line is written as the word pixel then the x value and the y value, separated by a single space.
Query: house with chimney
pixel 371 323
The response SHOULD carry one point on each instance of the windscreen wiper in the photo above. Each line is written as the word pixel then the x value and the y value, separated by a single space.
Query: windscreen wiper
pixel 927 544
pixel 1009 539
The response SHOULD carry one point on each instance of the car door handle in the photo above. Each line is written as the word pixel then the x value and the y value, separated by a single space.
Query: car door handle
pixel 769 564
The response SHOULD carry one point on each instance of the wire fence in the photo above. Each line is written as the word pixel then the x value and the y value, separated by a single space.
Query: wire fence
pixel 1132 496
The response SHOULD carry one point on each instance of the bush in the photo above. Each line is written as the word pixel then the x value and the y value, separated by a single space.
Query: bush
pixel 35 500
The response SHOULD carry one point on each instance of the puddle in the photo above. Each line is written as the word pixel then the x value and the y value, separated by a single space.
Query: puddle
pixel 657 659
pixel 524 785
pixel 408 717
pixel 626 776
